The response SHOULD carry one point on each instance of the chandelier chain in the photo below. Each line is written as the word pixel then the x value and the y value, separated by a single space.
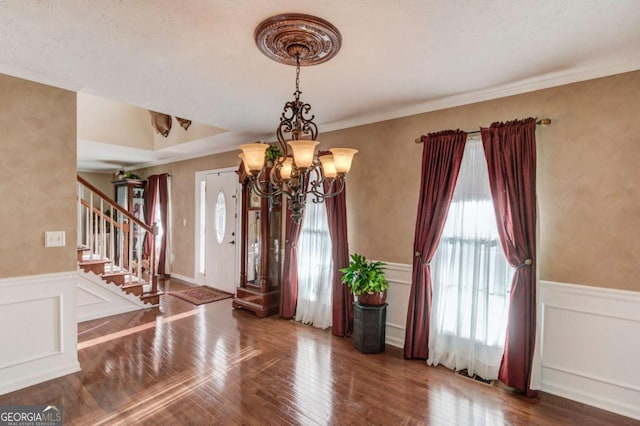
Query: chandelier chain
pixel 297 92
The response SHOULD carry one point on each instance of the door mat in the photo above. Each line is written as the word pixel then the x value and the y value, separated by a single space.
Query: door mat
pixel 201 295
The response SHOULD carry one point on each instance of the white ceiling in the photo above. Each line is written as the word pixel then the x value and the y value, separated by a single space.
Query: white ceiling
pixel 198 59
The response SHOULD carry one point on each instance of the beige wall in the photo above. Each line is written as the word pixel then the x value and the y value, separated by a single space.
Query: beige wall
pixel 102 181
pixel 107 121
pixel 588 174
pixel 38 168
pixel 183 203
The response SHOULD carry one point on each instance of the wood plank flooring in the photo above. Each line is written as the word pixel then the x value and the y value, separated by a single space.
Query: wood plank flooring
pixel 183 364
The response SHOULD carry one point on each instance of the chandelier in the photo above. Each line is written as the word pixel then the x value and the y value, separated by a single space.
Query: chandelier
pixel 300 173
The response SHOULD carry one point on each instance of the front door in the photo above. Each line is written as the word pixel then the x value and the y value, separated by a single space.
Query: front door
pixel 220 231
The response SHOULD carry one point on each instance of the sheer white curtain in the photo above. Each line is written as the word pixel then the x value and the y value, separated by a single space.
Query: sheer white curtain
pixel 471 277
pixel 315 267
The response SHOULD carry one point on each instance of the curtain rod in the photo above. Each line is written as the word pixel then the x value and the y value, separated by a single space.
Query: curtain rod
pixel 542 122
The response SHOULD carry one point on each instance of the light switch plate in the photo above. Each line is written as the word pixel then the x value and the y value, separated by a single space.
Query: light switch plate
pixel 54 239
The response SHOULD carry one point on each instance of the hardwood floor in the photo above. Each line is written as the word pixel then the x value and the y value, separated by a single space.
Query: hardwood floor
pixel 185 364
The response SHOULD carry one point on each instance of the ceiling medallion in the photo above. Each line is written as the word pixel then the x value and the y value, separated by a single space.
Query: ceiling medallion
pixel 284 37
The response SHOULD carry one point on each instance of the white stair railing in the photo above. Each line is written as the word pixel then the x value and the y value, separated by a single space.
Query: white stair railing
pixel 111 234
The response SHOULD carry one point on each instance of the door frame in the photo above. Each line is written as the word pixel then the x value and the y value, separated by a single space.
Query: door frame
pixel 198 258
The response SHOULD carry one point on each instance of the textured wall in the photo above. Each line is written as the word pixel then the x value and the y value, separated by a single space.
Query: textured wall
pixel 183 202
pixel 588 174
pixel 38 169
pixel 107 121
pixel 102 181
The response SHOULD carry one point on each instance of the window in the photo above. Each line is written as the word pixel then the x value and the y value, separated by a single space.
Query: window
pixel 315 267
pixel 470 276
pixel 221 216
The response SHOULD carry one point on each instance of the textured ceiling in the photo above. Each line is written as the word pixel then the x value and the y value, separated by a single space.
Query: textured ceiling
pixel 197 59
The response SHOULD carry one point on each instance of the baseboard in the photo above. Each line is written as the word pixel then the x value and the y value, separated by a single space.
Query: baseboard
pixel 589 347
pixel 187 280
pixel 394 335
pixel 43 333
pixel 111 312
pixel 42 376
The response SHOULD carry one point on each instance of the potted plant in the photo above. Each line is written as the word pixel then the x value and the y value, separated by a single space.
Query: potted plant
pixel 366 280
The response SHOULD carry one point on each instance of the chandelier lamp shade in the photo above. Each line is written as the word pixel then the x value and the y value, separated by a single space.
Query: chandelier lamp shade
pixel 300 172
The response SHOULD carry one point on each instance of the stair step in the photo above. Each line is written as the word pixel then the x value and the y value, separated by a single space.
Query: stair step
pixel 135 289
pixel 151 298
pixel 117 278
pixel 81 250
pixel 95 266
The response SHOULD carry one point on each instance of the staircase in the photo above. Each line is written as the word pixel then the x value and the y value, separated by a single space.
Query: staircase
pixel 111 245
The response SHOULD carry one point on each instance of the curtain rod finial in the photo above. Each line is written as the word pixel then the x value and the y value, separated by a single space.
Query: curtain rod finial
pixel 544 122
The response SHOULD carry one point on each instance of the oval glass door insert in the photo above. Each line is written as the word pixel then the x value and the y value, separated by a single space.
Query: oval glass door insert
pixel 221 216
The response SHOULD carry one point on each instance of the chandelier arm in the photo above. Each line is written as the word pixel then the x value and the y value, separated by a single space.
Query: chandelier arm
pixel 342 182
pixel 256 186
pixel 275 181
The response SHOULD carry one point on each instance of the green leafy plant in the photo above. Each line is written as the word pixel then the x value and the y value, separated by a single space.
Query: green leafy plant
pixel 364 276
pixel 129 175
pixel 272 153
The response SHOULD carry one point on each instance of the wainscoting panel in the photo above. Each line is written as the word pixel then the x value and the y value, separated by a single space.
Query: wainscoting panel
pixel 39 331
pixel 98 299
pixel 590 340
pixel 591 345
pixel 399 277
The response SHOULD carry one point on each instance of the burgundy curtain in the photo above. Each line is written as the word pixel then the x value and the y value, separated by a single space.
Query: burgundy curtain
pixel 342 299
pixel 441 158
pixel 150 194
pixel 289 290
pixel 163 194
pixel 510 150
pixel 157 192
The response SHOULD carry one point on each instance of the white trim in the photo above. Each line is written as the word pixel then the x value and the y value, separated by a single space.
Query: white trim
pixel 399 277
pixel 588 351
pixel 398 273
pixel 488 94
pixel 42 312
pixel 107 299
pixel 36 279
pixel 188 280
pixel 201 175
pixel 232 141
pixel 616 383
pixel 183 157
pixel 577 360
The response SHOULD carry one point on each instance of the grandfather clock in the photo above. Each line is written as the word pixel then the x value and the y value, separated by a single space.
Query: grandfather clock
pixel 260 267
